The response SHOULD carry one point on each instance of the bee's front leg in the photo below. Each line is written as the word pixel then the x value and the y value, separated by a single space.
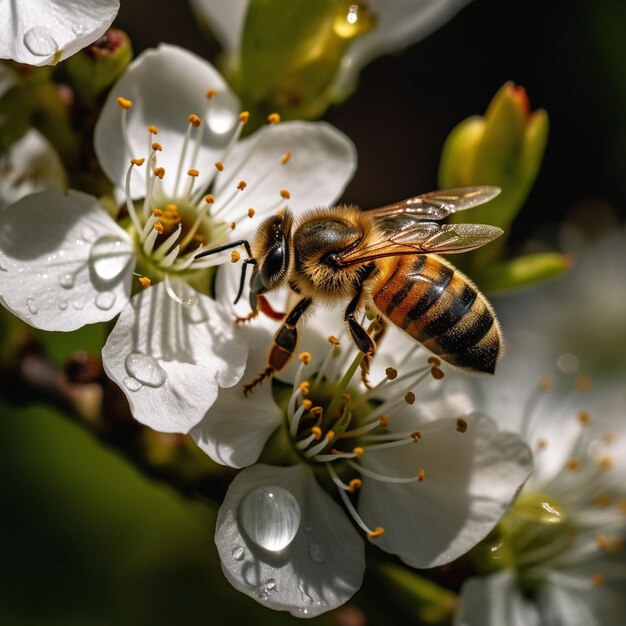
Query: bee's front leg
pixel 285 343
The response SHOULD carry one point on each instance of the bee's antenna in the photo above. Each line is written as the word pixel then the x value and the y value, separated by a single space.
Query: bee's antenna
pixel 242 282
pixel 226 246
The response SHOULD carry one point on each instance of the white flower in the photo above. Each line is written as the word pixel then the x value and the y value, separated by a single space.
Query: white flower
pixel 400 23
pixel 556 553
pixel 65 262
pixel 421 484
pixel 43 32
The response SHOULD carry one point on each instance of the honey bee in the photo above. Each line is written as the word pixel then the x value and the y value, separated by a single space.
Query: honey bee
pixel 386 259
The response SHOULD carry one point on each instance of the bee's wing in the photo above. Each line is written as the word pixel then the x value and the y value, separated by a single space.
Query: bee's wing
pixel 437 205
pixel 423 238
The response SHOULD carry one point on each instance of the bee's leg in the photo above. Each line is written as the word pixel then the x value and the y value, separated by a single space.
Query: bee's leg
pixel 359 335
pixel 263 306
pixel 379 330
pixel 285 343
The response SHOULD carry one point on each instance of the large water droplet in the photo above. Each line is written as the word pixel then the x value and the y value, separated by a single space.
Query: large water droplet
pixel 316 552
pixel 220 117
pixel 105 300
pixel 145 369
pixel 238 553
pixel 270 516
pixel 132 384
pixel 40 42
pixel 109 256
pixel 66 281
pixel 32 306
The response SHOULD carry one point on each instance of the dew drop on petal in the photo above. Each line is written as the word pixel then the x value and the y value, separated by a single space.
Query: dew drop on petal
pixel 78 304
pixel 40 42
pixel 66 281
pixel 238 553
pixel 145 369
pixel 32 306
pixel 132 384
pixel 316 552
pixel 306 598
pixel 109 257
pixel 270 516
pixel 220 117
pixel 105 300
pixel 63 305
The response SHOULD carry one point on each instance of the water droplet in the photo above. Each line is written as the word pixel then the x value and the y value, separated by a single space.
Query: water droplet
pixel 188 303
pixel 262 591
pixel 568 363
pixel 109 256
pixel 270 584
pixel 306 598
pixel 88 233
pixel 63 305
pixel 66 281
pixel 105 300
pixel 270 516
pixel 220 117
pixel 238 553
pixel 32 306
pixel 145 369
pixel 40 42
pixel 78 304
pixel 132 384
pixel 316 552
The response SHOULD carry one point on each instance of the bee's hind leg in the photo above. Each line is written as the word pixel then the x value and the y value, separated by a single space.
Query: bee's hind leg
pixel 263 306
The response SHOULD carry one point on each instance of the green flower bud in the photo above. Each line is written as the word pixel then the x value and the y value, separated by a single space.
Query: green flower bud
pixel 95 68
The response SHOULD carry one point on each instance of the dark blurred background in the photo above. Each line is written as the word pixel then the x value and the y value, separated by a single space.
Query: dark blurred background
pixel 89 540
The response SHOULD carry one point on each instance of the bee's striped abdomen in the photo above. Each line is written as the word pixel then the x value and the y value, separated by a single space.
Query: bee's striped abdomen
pixel 437 305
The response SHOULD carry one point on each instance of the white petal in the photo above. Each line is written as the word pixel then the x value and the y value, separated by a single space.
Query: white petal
pixel 64 262
pixel 44 32
pixel 470 480
pixel 29 165
pixel 400 23
pixel 319 570
pixel 169 359
pixel 322 163
pixel 225 19
pixel 166 85
pixel 236 428
pixel 495 601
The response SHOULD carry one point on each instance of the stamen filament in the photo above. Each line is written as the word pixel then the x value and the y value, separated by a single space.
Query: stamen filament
pixel 160 252
pixel 343 385
pixel 384 479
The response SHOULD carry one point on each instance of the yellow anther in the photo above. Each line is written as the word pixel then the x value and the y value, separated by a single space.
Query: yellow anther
pixel 194 120
pixel 377 532
pixel 304 387
pixel 307 404
pixel 606 462
pixel 273 118
pixel 159 172
pixel 317 431
pixel 193 172
pixel 461 425
pixel 157 213
pixel 138 162
pixel 433 360
pixel 608 437
pixel 233 225
pixel 416 436
pixel 251 212
pixel 124 103
pixel 602 543
pixel 316 410
pixel 210 93
pixel 358 452
pixel 153 130
pixel 409 397
pixel 330 435
pixel 542 443
pixel 144 281
pixel 157 147
pixel 219 166
pixel 384 421
pixel 333 341
pixel 421 474
pixel 584 417
pixel 234 256
pixel 436 373
pixel 545 384
pixel 602 499
pixel 286 158
pixel 597 580
pixel 159 228
pixel 241 185
pixel 285 194
pixel 244 116
pixel 354 484
pixel 392 373
pixel 209 199
pixel 171 212
pixel 305 357
pixel 572 464
pixel 584 383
